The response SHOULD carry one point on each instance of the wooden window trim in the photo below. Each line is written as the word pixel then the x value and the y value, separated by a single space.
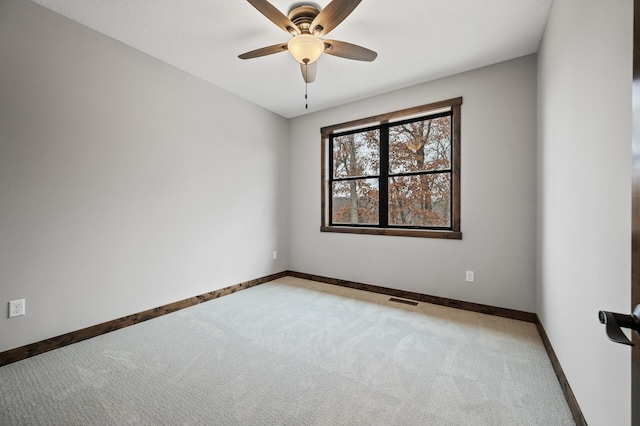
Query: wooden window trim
pixel 455 106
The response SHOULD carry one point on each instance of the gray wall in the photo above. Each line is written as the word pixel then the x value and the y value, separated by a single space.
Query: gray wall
pixel 125 184
pixel 498 186
pixel 585 195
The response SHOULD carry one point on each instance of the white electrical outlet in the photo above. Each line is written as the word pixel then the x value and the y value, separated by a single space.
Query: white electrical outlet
pixel 470 276
pixel 275 255
pixel 16 308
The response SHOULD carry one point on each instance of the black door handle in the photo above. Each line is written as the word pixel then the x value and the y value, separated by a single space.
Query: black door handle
pixel 614 321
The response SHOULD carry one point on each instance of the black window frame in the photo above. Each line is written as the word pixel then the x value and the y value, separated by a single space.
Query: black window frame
pixel 450 108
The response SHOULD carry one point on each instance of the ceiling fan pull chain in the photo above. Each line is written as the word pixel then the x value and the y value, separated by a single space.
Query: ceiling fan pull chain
pixel 306 85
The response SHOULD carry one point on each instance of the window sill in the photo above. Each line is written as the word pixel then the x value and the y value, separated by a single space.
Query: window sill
pixel 448 235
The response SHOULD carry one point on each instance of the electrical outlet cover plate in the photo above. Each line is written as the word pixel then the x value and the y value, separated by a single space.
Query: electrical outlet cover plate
pixel 470 276
pixel 16 308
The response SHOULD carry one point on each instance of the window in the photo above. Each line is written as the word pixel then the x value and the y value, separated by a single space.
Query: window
pixel 394 174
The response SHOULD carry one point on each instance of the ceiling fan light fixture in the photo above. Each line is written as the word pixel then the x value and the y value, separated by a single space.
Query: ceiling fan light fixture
pixel 305 48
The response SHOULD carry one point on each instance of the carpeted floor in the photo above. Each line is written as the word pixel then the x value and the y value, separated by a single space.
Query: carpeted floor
pixel 294 352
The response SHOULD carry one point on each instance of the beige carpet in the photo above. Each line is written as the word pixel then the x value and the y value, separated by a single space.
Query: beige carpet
pixel 294 352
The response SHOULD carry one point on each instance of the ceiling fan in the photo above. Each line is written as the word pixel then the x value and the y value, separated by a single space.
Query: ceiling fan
pixel 307 25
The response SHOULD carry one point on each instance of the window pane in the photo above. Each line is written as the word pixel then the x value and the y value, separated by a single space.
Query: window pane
pixel 422 200
pixel 355 201
pixel 420 146
pixel 357 154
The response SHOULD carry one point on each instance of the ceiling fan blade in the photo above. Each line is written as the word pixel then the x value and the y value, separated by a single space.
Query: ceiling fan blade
pixel 264 51
pixel 331 16
pixel 275 16
pixel 348 50
pixel 309 72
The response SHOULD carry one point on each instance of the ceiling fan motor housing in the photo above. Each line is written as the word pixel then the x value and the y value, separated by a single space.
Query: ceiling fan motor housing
pixel 303 16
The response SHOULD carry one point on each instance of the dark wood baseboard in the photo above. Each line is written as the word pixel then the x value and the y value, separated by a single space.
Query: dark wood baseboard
pixel 37 348
pixel 578 417
pixel 451 303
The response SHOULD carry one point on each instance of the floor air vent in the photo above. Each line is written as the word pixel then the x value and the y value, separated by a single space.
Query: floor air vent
pixel 406 302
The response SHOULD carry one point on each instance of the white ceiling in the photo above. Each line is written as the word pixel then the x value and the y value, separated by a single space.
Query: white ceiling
pixel 416 41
